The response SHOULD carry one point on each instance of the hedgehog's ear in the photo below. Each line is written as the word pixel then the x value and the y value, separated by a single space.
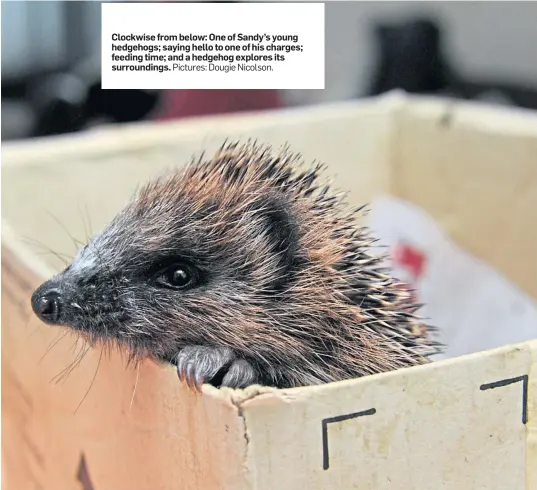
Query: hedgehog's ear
pixel 283 232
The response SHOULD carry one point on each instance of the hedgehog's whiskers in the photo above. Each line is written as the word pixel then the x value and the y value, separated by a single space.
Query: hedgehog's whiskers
pixel 86 219
pixel 52 345
pixel 135 385
pixel 64 258
pixel 77 243
pixel 92 381
pixel 64 374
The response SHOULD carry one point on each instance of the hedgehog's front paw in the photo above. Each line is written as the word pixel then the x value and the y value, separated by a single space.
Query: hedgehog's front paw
pixel 240 374
pixel 215 365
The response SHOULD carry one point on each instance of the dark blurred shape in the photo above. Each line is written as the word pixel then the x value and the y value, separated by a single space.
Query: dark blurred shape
pixel 65 104
pixel 411 58
pixel 119 105
pixel 72 100
pixel 58 102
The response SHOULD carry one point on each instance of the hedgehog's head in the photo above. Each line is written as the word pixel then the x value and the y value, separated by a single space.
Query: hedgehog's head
pixel 203 255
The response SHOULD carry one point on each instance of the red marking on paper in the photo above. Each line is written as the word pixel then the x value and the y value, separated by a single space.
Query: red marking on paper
pixel 410 258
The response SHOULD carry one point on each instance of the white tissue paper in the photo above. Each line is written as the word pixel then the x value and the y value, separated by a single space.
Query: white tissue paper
pixel 473 306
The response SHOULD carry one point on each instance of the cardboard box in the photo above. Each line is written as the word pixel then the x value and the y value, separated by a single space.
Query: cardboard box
pixel 461 424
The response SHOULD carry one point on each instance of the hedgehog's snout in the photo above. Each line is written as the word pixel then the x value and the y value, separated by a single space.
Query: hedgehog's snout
pixel 83 300
pixel 56 301
pixel 47 303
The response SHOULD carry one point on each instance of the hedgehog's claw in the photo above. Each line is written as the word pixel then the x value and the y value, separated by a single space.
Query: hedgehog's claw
pixel 198 364
pixel 193 379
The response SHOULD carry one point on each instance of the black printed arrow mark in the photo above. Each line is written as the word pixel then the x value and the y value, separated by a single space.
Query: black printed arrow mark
pixel 510 381
pixel 83 474
pixel 339 418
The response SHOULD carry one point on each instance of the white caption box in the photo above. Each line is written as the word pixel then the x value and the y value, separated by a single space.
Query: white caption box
pixel 213 46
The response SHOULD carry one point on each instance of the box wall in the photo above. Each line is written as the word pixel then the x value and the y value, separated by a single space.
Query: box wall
pixel 455 425
pixel 474 170
pixel 135 428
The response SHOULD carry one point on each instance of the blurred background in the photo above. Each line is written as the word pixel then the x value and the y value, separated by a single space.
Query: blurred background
pixel 468 50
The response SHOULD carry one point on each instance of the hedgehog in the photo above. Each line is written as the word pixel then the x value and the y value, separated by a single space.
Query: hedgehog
pixel 243 268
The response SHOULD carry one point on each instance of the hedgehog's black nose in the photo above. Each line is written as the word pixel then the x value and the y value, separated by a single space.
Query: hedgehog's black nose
pixel 47 305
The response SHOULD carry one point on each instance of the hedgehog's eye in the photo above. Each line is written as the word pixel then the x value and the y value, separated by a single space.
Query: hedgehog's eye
pixel 178 276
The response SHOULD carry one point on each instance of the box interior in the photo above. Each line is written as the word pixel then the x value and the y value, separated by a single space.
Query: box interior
pixel 423 151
